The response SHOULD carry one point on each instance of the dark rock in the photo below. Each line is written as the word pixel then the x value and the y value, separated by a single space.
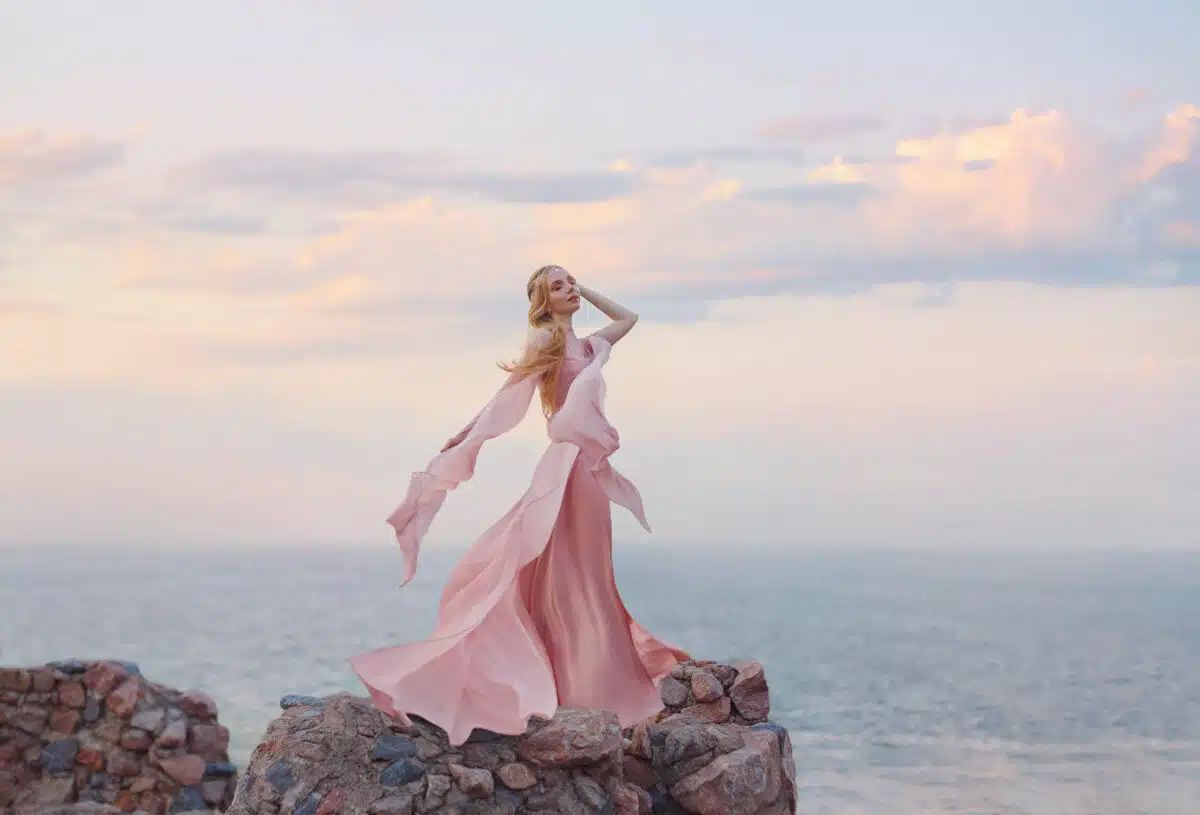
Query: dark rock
pixel 219 769
pixel 58 757
pixel 279 775
pixel 69 666
pixel 92 711
pixel 393 747
pixel 309 805
pixel 188 799
pixel 479 736
pixel 401 772
pixel 663 804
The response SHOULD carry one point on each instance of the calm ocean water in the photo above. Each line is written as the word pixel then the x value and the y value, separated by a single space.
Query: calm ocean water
pixel 911 682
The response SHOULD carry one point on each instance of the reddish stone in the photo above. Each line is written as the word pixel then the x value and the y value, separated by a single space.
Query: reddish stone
pixel 715 712
pixel 331 804
pixel 185 770
pixel 639 772
pixel 109 731
pixel 15 679
pixel 198 704
pixel 41 680
pixel 8 754
pixel 4 714
pixel 639 742
pixel 122 701
pixel 737 783
pixel 210 741
pixel 516 776
pixel 153 803
pixel 82 776
pixel 92 759
pixel 749 691
pixel 706 687
pixel 123 764
pixel 102 677
pixel 71 693
pixel 125 801
pixel 31 720
pixel 572 738
pixel 64 721
pixel 142 783
pixel 136 740
pixel 630 800
pixel 476 782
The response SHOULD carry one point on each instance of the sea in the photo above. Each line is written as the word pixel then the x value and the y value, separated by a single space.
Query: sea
pixel 912 682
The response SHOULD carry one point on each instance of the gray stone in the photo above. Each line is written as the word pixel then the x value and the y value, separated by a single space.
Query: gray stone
pixel 188 800
pixel 475 782
pixel 309 805
pixel 401 772
pixel 393 747
pixel 69 666
pixel 296 700
pixel 591 793
pixel 58 757
pixel 398 804
pixel 149 720
pixel 279 775
pixel 219 769
pixel 91 711
pixel 673 692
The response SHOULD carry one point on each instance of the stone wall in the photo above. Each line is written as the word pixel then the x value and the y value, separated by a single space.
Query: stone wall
pixel 339 755
pixel 99 732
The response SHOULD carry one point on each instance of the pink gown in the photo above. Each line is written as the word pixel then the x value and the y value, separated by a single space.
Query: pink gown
pixel 531 618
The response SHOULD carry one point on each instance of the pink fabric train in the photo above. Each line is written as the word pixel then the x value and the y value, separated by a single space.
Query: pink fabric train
pixel 531 618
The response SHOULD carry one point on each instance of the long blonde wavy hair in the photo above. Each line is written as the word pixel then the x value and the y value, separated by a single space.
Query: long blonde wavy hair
pixel 546 357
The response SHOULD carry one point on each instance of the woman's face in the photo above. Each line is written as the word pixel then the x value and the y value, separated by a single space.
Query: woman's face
pixel 564 292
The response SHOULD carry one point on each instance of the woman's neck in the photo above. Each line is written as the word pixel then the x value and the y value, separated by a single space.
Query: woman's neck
pixel 564 320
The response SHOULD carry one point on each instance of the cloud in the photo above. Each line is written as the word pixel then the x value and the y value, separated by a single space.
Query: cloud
pixel 33 157
pixel 978 165
pixel 250 260
pixel 820 127
pixel 849 193
pixel 366 177
pixel 12 306
pixel 726 156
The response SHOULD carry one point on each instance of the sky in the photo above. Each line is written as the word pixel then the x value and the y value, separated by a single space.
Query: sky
pixel 908 277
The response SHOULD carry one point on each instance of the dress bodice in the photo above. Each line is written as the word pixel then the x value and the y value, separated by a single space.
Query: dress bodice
pixel 579 355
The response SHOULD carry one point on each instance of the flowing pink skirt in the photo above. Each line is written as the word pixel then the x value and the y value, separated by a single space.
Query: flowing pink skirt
pixel 530 620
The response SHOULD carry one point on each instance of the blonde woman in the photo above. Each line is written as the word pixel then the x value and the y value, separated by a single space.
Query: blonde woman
pixel 531 619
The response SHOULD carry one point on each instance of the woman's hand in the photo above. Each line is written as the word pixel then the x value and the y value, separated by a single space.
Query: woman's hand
pixel 623 320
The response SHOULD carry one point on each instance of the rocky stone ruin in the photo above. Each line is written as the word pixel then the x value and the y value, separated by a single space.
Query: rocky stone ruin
pixel 96 737
pixel 711 751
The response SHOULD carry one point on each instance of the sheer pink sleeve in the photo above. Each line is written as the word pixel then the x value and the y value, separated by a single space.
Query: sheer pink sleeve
pixel 427 488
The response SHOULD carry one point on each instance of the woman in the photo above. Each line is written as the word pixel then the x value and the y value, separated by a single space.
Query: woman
pixel 531 619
